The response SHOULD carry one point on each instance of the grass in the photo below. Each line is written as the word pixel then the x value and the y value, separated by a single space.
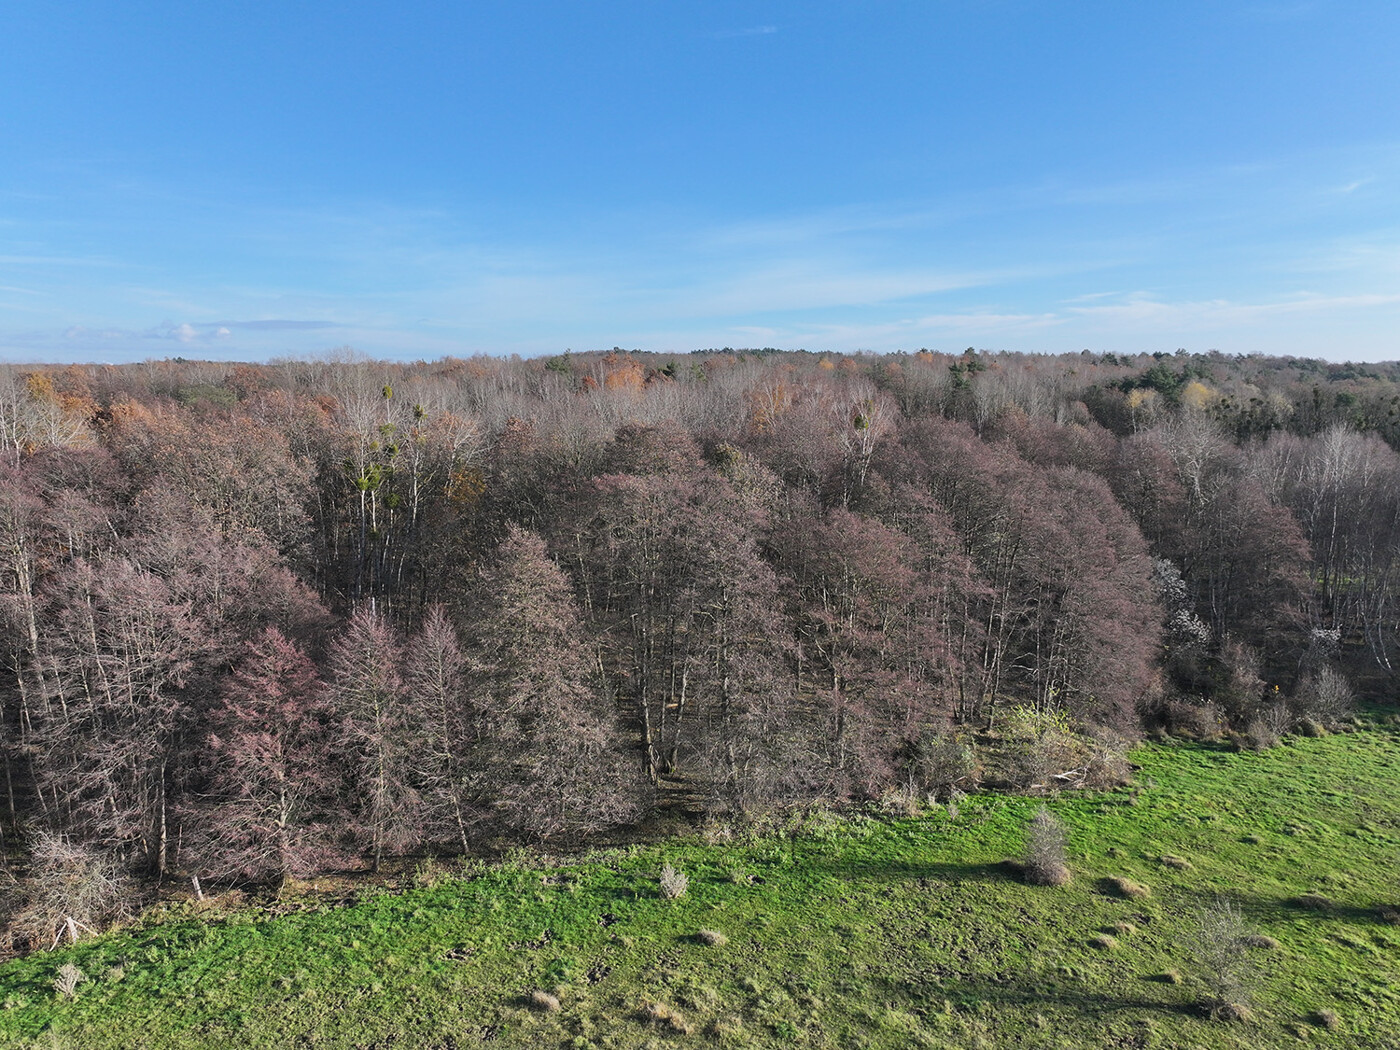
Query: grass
pixel 840 932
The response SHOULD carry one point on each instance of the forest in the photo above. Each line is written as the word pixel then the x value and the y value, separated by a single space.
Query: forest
pixel 261 621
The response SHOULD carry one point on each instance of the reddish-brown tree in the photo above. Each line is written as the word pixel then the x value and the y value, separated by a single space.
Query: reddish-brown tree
pixel 551 762
pixel 367 692
pixel 275 798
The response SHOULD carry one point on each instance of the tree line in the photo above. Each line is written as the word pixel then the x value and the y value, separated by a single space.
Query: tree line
pixel 265 620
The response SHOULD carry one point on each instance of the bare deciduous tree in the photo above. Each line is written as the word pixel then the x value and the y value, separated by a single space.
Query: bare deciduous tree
pixel 274 798
pixel 367 691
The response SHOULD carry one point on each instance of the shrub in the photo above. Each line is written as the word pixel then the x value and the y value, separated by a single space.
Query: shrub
pixel 939 764
pixel 1040 746
pixel 1324 698
pixel 72 889
pixel 428 874
pixel 1104 942
pixel 1107 764
pixel 1178 863
pixel 713 938
pixel 1263 732
pixel 673 883
pixel 901 801
pixel 1045 863
pixel 1197 721
pixel 1219 944
pixel 69 976
pixel 1240 685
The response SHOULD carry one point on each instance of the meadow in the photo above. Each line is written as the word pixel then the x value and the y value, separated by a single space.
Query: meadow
pixel 858 929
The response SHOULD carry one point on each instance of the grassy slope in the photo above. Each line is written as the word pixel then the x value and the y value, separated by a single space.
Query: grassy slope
pixel 879 933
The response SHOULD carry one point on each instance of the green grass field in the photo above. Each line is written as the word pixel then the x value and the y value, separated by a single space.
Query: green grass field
pixel 839 932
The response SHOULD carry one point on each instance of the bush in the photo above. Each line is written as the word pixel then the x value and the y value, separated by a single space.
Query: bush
pixel 1263 732
pixel 1045 863
pixel 1219 947
pixel 673 883
pixel 72 889
pixel 69 976
pixel 1041 746
pixel 428 874
pixel 939 764
pixel 1196 721
pixel 1324 698
pixel 1313 902
pixel 1232 1012
pixel 1240 685
pixel 1108 765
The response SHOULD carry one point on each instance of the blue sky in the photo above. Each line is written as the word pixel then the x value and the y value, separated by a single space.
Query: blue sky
pixel 250 179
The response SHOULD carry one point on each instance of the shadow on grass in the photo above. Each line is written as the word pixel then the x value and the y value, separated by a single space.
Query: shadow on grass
pixel 1309 906
pixel 895 870
pixel 1039 990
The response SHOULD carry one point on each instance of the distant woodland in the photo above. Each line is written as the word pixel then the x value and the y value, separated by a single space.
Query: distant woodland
pixel 267 620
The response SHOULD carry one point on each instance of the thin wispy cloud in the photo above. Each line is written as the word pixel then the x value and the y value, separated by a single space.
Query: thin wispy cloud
pixel 1354 185
pixel 731 34
pixel 1088 297
pixel 1143 308
pixel 801 286
pixel 825 224
pixel 278 325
